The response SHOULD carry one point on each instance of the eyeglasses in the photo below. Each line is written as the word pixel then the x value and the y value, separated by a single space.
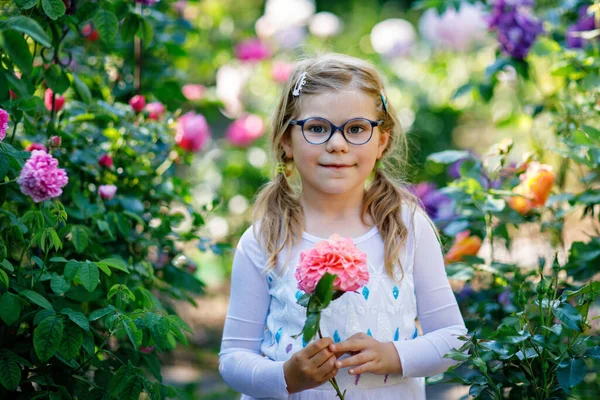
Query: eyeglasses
pixel 317 130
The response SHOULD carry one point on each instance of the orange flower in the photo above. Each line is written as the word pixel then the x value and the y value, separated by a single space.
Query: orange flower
pixel 535 187
pixel 464 245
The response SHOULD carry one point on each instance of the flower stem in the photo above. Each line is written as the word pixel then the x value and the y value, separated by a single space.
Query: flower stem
pixel 332 380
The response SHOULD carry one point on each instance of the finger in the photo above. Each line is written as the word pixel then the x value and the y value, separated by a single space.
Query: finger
pixel 361 369
pixel 357 359
pixel 329 376
pixel 326 367
pixel 347 346
pixel 316 346
pixel 318 359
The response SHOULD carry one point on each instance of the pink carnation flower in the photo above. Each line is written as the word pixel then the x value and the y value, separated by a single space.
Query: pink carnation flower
pixel 245 130
pixel 193 91
pixel 3 123
pixel 155 110
pixel 41 178
pixel 192 131
pixel 35 146
pixel 252 50
pixel 107 192
pixel 338 256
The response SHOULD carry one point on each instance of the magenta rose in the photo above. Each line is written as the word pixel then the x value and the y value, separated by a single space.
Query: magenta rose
pixel 245 130
pixel 105 161
pixel 155 110
pixel 3 123
pixel 192 131
pixel 59 101
pixel 137 102
pixel 41 178
pixel 107 192
pixel 252 50
pixel 55 141
pixel 338 256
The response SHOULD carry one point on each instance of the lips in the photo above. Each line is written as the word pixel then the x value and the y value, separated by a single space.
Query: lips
pixel 337 166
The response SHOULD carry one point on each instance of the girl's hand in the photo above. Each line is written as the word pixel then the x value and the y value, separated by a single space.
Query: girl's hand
pixel 367 355
pixel 310 367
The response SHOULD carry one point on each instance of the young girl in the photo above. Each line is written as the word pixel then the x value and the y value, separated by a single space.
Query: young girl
pixel 334 126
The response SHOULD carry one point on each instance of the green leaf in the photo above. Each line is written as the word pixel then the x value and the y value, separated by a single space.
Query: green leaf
pixel 129 27
pixel 97 314
pixel 10 308
pixel 118 381
pixel 592 132
pixel 59 284
pixel 47 337
pixel 134 334
pixel 89 275
pixel 324 289
pixel 107 25
pixel 311 326
pixel 145 32
pixel 4 278
pixel 54 8
pixel 508 334
pixel 57 79
pixel 29 27
pixel 7 265
pixel 132 389
pixel 114 263
pixel 176 320
pixel 72 339
pixel 569 316
pixel 42 315
pixel 82 89
pixel 10 372
pixel 104 269
pixel 79 237
pixel 304 299
pixel 456 355
pixel 570 372
pixel 37 299
pixel 121 289
pixel 77 318
pixel 18 50
pixel 71 270
pixel 26 4
pixel 160 331
pixel 448 156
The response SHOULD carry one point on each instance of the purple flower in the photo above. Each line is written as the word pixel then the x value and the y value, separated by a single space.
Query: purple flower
pixel 107 192
pixel 517 27
pixel 504 298
pixel 465 293
pixel 584 23
pixel 438 206
pixel 41 178
pixel 3 123
pixel 147 2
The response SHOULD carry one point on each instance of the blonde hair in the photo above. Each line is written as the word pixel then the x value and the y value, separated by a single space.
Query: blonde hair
pixel 277 205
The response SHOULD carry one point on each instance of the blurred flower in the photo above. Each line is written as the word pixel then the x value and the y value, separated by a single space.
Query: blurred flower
pixel 55 141
pixel 191 267
pixel 137 102
pixel 393 37
pixel 284 22
pixel 438 206
pixel 146 350
pixel 535 187
pixel 3 123
pixel 230 82
pixel 464 245
pixel 147 2
pixel 245 130
pixel 252 50
pixel 41 178
pixel 12 94
pixel 35 146
pixel 155 110
pixel 456 31
pixel 325 24
pixel 59 101
pixel 90 33
pixel 192 91
pixel 107 192
pixel 504 298
pixel 585 22
pixel 180 5
pixel 281 70
pixel 105 161
pixel 465 293
pixel 517 27
pixel 192 131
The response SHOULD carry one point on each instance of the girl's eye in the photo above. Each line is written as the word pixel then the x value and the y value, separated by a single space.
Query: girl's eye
pixel 355 129
pixel 317 129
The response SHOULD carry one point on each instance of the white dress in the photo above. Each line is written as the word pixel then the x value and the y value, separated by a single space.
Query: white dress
pixel 263 315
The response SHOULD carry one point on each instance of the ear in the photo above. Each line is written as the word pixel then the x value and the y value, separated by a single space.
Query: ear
pixel 384 138
pixel 286 143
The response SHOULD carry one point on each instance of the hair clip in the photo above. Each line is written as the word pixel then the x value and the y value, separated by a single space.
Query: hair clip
pixel 284 168
pixel 299 83
pixel 384 100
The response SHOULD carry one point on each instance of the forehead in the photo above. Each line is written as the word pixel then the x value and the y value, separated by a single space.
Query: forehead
pixel 338 106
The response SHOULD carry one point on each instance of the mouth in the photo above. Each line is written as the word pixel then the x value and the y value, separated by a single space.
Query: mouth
pixel 335 166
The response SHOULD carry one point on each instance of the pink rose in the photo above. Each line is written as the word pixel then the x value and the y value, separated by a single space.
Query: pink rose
pixel 192 131
pixel 245 130
pixel 192 91
pixel 137 102
pixel 41 178
pixel 155 110
pixel 59 101
pixel 55 141
pixel 338 256
pixel 252 50
pixel 3 123
pixel 281 70
pixel 107 192
pixel 35 146
pixel 105 161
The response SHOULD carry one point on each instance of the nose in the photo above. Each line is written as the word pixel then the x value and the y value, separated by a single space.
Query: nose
pixel 337 142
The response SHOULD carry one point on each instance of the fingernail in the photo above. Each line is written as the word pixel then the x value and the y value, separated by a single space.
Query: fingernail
pixel 339 364
pixel 333 347
pixel 351 371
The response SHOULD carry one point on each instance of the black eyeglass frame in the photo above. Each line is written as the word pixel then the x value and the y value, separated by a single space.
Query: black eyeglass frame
pixel 334 128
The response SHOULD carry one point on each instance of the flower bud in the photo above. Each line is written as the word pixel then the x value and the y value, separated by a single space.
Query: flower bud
pixel 137 102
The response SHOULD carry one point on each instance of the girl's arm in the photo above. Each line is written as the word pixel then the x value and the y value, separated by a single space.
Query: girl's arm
pixel 437 310
pixel 240 362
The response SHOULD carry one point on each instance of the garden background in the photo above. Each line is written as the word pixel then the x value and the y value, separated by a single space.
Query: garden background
pixel 134 135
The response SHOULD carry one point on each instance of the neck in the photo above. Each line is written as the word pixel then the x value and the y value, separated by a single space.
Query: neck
pixel 332 207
